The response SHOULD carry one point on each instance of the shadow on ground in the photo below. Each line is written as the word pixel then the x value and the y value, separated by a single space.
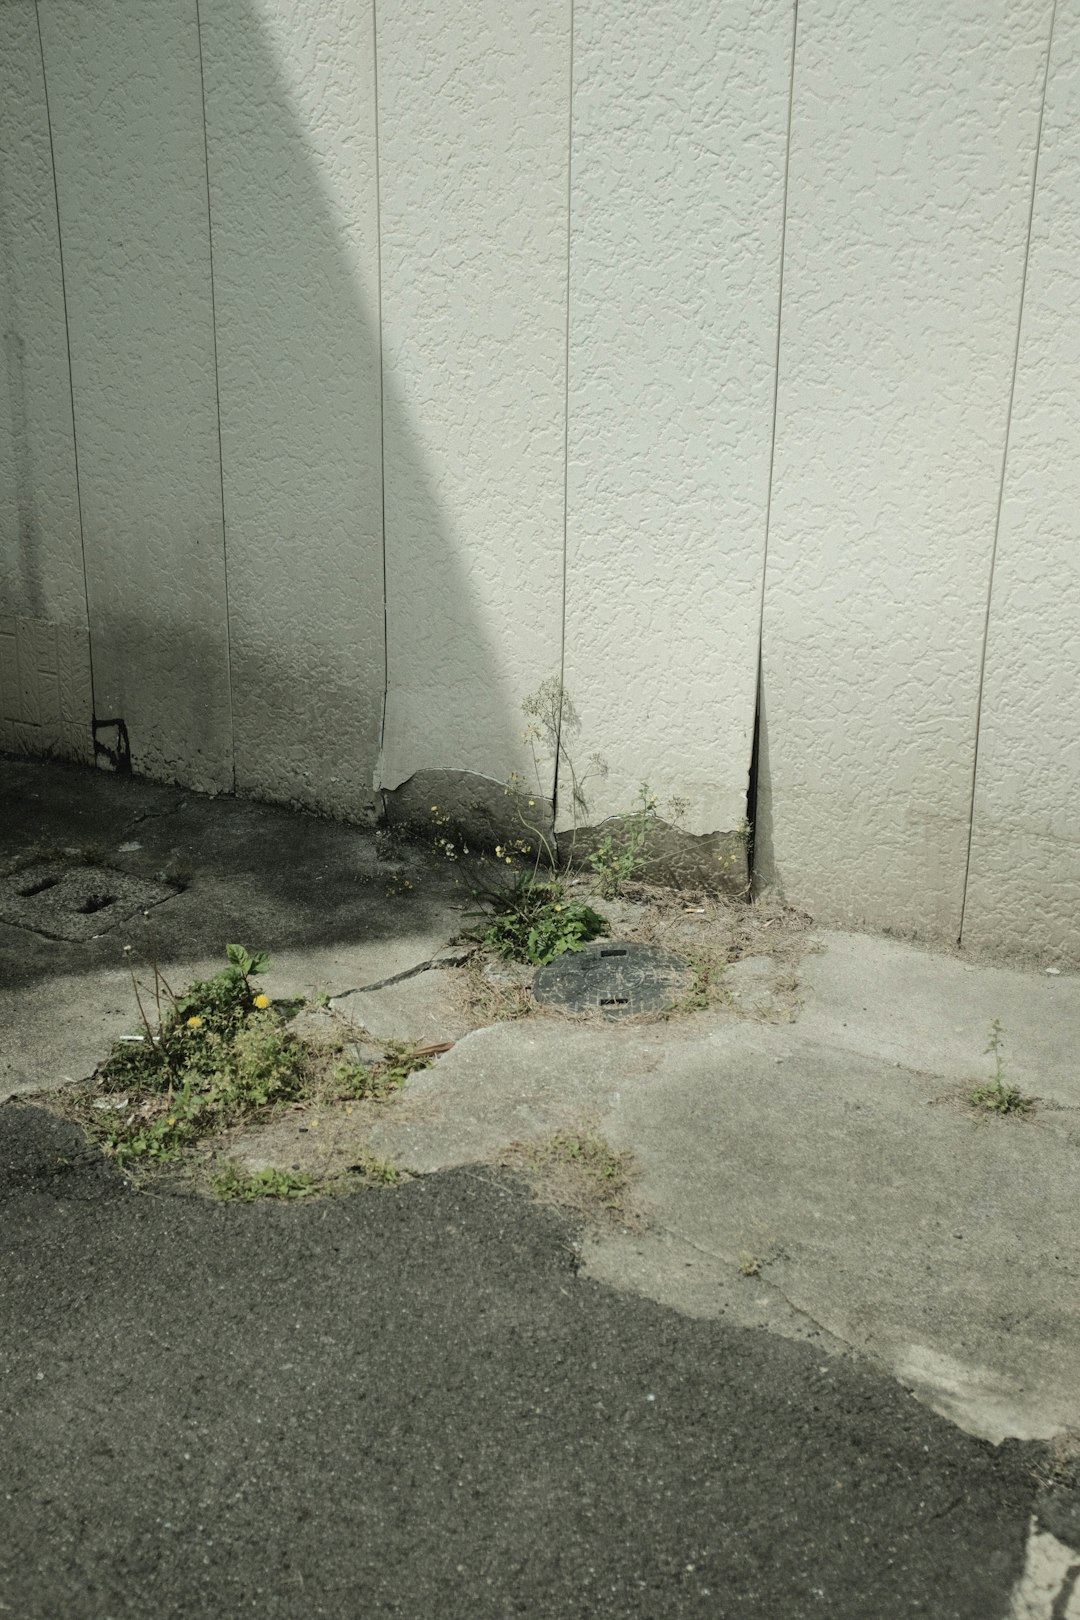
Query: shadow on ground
pixel 406 1402
pixel 280 876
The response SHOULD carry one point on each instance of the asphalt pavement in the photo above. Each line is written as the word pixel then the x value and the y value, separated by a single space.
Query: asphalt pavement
pixel 409 1402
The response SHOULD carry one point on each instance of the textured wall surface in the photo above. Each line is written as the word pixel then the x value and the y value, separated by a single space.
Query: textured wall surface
pixel 473 121
pixel 680 116
pixel 45 701
pixel 126 104
pixel 41 572
pixel 421 350
pixel 1024 887
pixel 290 103
pixel 913 147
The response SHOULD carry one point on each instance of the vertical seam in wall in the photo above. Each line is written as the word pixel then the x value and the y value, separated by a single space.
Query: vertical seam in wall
pixel 566 422
pixel 71 374
pixel 1004 470
pixel 217 399
pixel 754 755
pixel 382 390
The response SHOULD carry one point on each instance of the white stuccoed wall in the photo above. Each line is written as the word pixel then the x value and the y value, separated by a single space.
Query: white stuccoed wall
pixel 473 122
pixel 45 696
pixel 290 111
pixel 912 152
pixel 680 117
pixel 126 104
pixel 1024 887
pixel 488 292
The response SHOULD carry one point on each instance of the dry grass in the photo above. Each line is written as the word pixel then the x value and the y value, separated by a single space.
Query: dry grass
pixel 1058 1465
pixel 493 997
pixel 579 1170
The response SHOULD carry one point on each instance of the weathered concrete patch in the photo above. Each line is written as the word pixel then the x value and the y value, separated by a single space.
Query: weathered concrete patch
pixel 928 1010
pixel 70 900
pixel 425 1007
pixel 884 1221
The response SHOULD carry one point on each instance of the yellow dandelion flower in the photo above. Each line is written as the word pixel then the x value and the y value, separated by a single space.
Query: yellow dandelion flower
pixel 194 1023
pixel 262 1002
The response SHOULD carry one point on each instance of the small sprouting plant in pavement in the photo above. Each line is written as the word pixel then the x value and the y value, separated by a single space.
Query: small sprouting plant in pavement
pixel 375 1171
pixel 376 1081
pixel 269 1183
pixel 997 1095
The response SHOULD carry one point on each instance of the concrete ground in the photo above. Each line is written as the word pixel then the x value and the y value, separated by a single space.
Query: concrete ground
pixel 807 1162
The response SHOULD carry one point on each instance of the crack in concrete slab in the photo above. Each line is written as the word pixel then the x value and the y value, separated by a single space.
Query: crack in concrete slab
pixel 440 960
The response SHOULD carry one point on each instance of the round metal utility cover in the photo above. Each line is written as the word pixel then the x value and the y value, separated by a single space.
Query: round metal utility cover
pixel 613 979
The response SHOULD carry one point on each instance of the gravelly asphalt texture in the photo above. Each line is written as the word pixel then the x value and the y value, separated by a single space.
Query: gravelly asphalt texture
pixel 406 1402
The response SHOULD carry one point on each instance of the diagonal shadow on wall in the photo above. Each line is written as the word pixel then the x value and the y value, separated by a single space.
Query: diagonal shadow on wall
pixel 216 174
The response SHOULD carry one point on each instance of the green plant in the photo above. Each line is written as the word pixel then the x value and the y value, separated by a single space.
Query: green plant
pixel 375 1082
pixel 703 990
pixel 530 920
pixel 268 1183
pixel 552 720
pixel 996 1095
pixel 749 1264
pixel 616 860
pixel 210 1056
pixel 144 1134
pixel 224 999
pixel 355 1080
pixel 401 1060
pixel 382 1172
pixel 359 1082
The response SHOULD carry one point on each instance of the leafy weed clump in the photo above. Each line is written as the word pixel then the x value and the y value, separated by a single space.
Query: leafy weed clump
pixel 531 920
pixel 210 1056
pixel 360 1082
pixel 268 1183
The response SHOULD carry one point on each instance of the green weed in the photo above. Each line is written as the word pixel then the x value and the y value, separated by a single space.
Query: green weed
pixel 996 1095
pixel 376 1171
pixel 210 1056
pixel 616 859
pixel 530 920
pixel 360 1082
pixel 269 1183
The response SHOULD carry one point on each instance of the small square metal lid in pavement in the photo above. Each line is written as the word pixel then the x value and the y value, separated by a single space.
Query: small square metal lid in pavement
pixel 615 978
pixel 75 902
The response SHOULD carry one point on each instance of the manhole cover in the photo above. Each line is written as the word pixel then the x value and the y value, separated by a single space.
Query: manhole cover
pixel 615 980
pixel 74 902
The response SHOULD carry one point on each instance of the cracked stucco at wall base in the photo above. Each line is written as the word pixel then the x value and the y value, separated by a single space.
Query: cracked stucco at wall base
pixel 513 286
pixel 465 808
